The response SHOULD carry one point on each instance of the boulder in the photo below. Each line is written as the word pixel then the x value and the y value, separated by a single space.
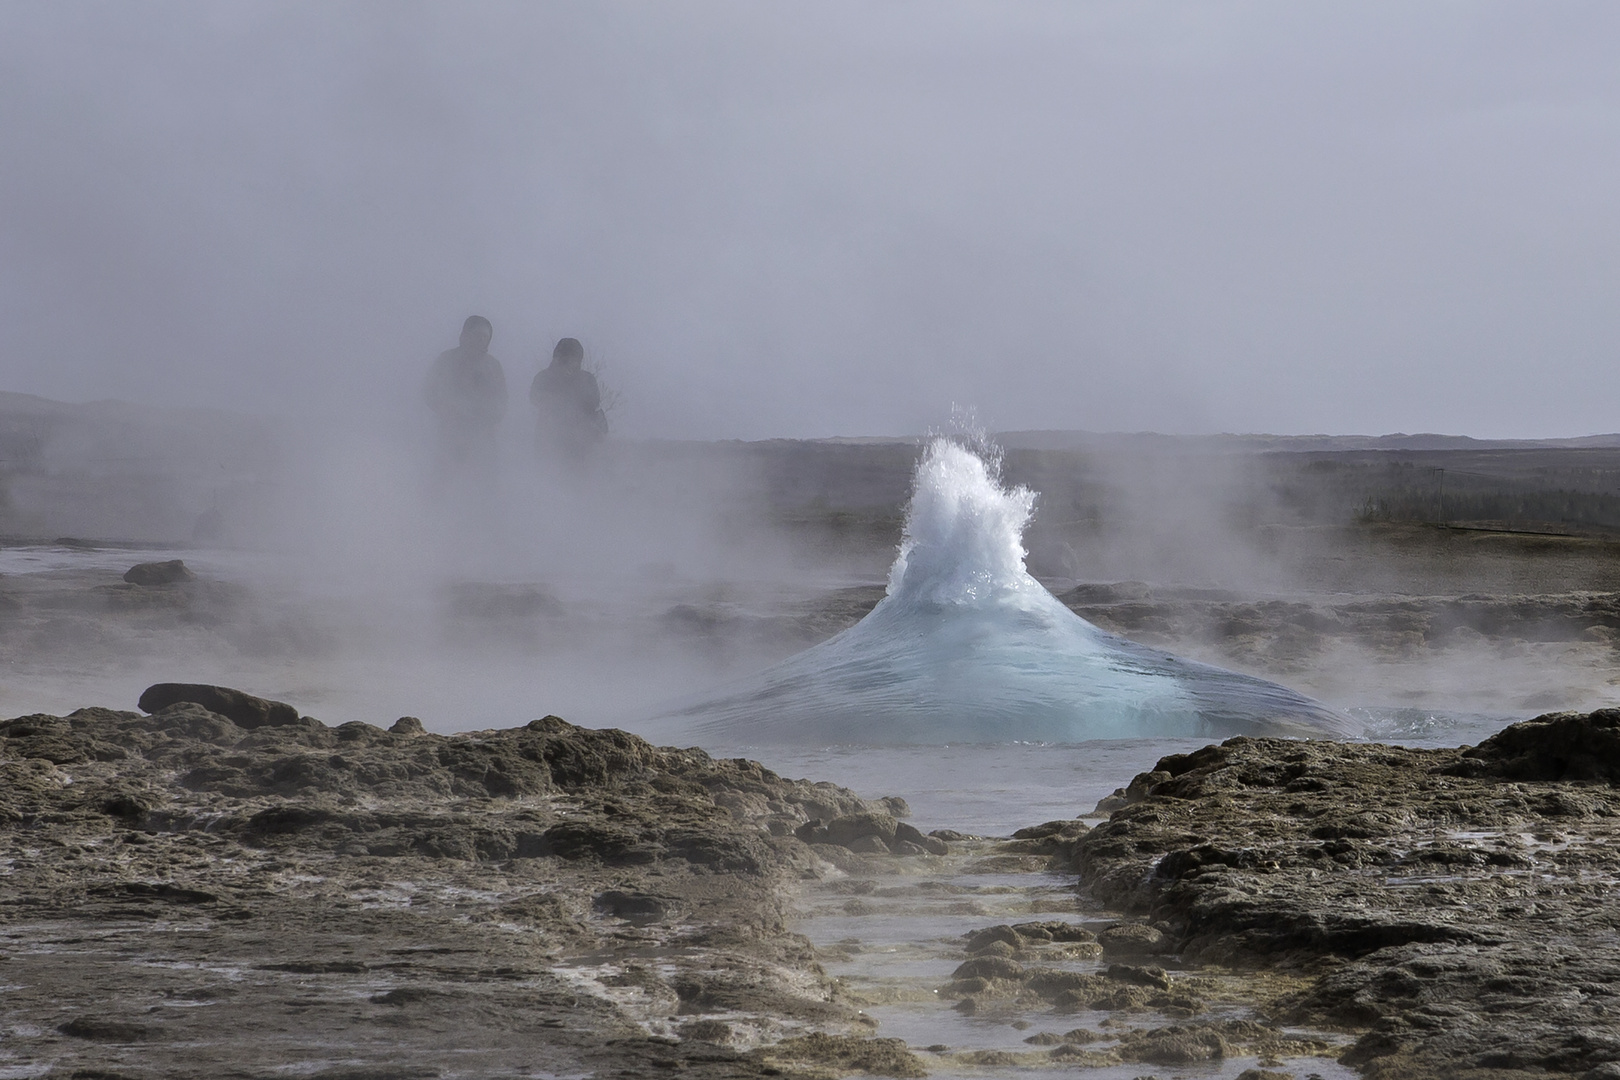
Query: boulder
pixel 981 940
pixel 844 831
pixel 1557 746
pixel 1054 930
pixel 910 834
pixel 989 967
pixel 1109 803
pixel 1131 939
pixel 159 573
pixel 243 710
pixel 408 725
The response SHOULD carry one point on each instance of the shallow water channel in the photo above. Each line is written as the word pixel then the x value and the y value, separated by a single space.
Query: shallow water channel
pixel 895 929
pixel 895 939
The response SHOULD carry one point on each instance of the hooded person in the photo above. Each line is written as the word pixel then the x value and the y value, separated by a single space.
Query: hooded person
pixel 568 403
pixel 466 391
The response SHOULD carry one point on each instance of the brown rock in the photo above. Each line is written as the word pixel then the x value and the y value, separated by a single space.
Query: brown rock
pixel 1131 939
pixel 243 710
pixel 845 830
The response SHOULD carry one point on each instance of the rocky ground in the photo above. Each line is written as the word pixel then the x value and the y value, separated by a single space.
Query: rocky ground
pixel 217 886
pixel 1452 910
pixel 225 888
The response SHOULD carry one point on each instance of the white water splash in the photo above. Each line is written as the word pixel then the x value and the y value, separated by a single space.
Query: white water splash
pixel 963 542
pixel 968 647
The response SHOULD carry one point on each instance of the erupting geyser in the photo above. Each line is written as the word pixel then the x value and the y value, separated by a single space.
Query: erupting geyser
pixel 968 647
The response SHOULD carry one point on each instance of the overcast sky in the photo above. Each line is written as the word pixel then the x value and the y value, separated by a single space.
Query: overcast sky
pixel 825 218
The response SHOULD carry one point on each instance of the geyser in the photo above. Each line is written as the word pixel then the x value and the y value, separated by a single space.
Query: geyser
pixel 968 647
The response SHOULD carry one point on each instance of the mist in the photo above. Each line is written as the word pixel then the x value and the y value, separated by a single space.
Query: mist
pixel 838 220
pixel 237 235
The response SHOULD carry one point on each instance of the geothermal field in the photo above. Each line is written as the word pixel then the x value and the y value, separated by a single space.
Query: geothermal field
pixel 958 808
pixel 606 539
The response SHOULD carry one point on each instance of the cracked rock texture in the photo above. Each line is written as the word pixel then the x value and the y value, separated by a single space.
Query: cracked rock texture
pixel 183 896
pixel 1455 908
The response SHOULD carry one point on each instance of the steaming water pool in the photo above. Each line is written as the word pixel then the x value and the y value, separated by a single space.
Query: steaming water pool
pixel 993 789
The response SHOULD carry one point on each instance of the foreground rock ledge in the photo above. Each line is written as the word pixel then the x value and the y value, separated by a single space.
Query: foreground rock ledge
pixel 1455 908
pixel 183 896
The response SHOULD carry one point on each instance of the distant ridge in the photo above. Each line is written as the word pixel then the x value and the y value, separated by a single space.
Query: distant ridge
pixel 1225 442
pixel 1089 440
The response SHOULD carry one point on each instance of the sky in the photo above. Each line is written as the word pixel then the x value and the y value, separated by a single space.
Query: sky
pixel 786 219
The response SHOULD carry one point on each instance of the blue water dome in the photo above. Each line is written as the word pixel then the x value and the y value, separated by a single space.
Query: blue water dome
pixel 968 647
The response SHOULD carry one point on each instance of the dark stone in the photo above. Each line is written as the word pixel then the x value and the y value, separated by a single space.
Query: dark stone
pixel 1178 1046
pixel 851 827
pixel 142 890
pixel 170 572
pixel 408 725
pixel 1049 829
pixel 1131 939
pixel 989 967
pixel 1557 746
pixel 981 940
pixel 910 834
pixel 126 807
pixel 638 909
pixel 403 995
pixel 895 806
pixel 1054 931
pixel 243 710
pixel 609 843
pixel 113 1031
pixel 1109 803
pixel 282 820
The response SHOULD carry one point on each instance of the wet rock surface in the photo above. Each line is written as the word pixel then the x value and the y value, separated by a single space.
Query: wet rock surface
pixel 918 944
pixel 1452 909
pixel 221 889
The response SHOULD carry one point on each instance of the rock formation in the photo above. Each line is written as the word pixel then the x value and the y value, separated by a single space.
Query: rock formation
pixel 225 887
pixel 1453 907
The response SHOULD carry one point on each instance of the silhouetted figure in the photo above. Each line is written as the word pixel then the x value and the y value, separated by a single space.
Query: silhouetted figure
pixel 569 404
pixel 466 389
